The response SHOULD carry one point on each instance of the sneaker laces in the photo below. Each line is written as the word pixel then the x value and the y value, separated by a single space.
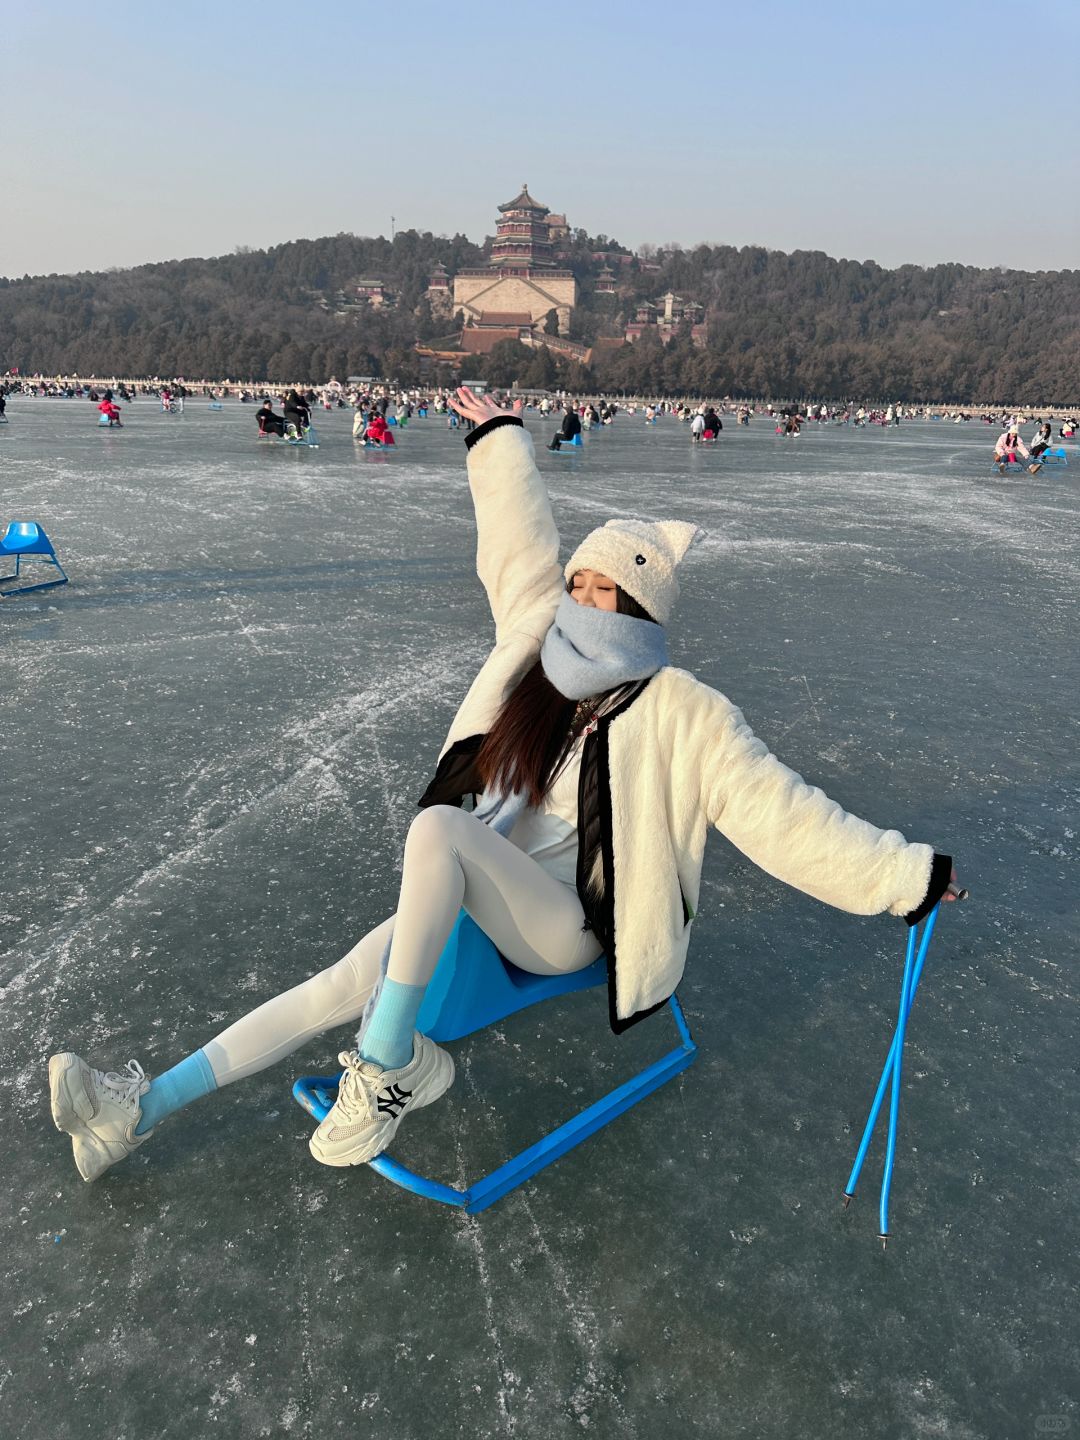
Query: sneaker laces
pixel 356 1088
pixel 126 1086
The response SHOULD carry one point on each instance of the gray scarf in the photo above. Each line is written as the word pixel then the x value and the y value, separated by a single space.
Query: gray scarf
pixel 586 652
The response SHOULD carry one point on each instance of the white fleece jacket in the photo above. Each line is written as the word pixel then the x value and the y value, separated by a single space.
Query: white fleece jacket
pixel 682 758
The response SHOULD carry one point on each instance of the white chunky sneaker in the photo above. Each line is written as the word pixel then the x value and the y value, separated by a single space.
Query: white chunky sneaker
pixel 372 1102
pixel 99 1111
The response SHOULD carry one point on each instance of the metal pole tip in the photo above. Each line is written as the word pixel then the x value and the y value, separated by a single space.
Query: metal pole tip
pixel 884 1242
pixel 847 1199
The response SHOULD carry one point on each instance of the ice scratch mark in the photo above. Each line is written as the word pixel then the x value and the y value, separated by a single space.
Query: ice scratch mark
pixel 474 1234
pixel 245 629
pixel 60 651
pixel 381 773
pixel 582 1321
pixel 329 789
pixel 299 1408
pixel 327 732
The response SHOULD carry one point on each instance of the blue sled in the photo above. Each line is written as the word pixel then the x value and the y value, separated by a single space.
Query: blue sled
pixel 23 539
pixel 474 987
pixel 308 438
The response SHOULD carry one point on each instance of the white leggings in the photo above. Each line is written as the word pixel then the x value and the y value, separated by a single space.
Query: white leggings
pixel 452 862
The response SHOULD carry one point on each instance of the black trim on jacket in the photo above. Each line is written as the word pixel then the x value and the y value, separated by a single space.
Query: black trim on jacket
pixel 940 875
pixel 607 903
pixel 489 425
pixel 595 824
pixel 456 775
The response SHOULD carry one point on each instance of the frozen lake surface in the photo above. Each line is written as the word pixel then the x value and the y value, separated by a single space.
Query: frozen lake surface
pixel 213 740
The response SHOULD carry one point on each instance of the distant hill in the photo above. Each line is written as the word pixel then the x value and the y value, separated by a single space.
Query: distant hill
pixel 256 314
pixel 777 324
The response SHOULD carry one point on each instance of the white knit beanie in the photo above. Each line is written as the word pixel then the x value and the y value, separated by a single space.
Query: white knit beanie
pixel 641 557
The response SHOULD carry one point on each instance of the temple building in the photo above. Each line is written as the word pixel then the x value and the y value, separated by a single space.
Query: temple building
pixel 438 290
pixel 675 313
pixel 558 229
pixel 481 337
pixel 373 290
pixel 522 275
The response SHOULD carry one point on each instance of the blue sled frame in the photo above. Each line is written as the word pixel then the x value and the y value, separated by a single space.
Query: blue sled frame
pixel 317 1094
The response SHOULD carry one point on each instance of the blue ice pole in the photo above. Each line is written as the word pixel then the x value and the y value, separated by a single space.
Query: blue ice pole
pixel 886 1076
pixel 894 1099
pixel 887 1071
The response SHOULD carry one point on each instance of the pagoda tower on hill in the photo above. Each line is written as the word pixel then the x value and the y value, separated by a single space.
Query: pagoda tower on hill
pixel 522 274
pixel 522 237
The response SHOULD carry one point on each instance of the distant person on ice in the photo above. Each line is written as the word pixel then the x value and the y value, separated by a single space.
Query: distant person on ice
pixel 269 423
pixel 378 432
pixel 1042 441
pixel 571 427
pixel 297 413
pixel 1010 448
pixel 597 770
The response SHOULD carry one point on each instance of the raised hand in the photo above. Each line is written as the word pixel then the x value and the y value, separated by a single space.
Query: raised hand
pixel 479 408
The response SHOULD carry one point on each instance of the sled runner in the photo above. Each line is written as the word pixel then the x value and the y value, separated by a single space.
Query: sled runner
pixel 474 987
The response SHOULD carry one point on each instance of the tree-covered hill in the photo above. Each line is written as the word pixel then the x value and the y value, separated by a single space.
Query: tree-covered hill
pixel 805 324
pixel 281 313
pixel 777 324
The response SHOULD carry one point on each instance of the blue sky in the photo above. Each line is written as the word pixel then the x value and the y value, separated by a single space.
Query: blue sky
pixel 921 133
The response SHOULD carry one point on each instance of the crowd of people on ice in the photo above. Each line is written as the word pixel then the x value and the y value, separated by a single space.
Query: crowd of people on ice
pixel 381 408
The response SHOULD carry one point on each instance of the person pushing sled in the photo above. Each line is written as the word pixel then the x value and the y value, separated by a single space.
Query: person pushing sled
pixel 596 769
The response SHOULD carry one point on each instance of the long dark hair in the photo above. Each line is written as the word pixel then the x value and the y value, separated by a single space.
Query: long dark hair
pixel 534 730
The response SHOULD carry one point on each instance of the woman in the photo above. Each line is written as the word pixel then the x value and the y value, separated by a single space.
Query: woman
pixel 111 411
pixel 1008 450
pixel 378 432
pixel 598 768
pixel 297 413
pixel 1041 442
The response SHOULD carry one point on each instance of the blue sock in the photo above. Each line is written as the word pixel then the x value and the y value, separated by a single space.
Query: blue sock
pixel 388 1039
pixel 177 1087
